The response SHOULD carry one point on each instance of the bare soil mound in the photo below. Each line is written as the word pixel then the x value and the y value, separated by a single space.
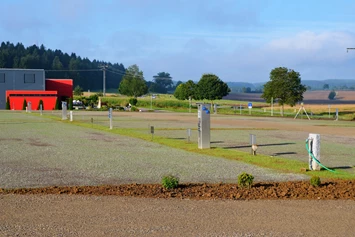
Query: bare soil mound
pixel 330 190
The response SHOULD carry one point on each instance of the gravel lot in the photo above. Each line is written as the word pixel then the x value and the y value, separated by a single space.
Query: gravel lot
pixel 39 152
pixel 35 151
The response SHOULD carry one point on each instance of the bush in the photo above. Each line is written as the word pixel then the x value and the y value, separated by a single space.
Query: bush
pixel 39 105
pixel 332 95
pixel 8 103
pixel 315 181
pixel 134 108
pixel 133 101
pixel 245 180
pixel 24 105
pixel 170 182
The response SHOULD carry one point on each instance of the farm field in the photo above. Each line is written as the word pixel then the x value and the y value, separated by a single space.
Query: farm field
pixel 80 165
pixel 310 97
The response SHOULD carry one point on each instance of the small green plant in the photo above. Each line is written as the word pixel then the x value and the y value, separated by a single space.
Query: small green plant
pixel 170 182
pixel 315 181
pixel 245 180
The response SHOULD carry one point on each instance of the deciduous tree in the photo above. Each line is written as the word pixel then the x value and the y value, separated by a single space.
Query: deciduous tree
pixel 133 83
pixel 285 86
pixel 210 87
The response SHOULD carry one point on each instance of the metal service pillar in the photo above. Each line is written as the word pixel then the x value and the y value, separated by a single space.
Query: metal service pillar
pixel 204 127
pixel 314 147
pixel 64 110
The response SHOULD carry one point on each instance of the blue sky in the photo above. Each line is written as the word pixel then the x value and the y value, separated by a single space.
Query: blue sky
pixel 238 40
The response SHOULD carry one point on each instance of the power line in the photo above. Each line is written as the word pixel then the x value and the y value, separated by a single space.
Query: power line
pixel 77 70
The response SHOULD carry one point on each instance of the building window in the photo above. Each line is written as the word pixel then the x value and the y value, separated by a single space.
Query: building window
pixel 29 78
pixel 2 77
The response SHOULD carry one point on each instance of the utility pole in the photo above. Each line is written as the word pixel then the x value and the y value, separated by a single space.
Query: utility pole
pixel 103 68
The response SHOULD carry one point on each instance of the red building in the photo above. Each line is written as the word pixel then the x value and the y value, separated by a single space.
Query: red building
pixel 61 89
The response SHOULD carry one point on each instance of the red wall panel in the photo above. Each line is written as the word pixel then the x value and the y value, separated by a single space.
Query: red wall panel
pixel 17 97
pixel 64 87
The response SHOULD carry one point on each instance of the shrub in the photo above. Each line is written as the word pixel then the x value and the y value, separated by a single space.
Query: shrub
pixel 332 95
pixel 134 108
pixel 245 180
pixel 8 103
pixel 315 181
pixel 133 101
pixel 39 105
pixel 24 105
pixel 70 103
pixel 170 182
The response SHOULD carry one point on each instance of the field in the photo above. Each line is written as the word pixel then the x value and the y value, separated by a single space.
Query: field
pixel 87 161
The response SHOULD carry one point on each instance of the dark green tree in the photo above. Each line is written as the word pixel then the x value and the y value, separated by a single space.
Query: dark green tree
pixel 133 83
pixel 210 87
pixel 185 90
pixel 70 103
pixel 24 105
pixel 164 82
pixel 284 86
pixel 332 95
pixel 8 103
pixel 326 87
pixel 57 104
pixel 57 64
pixel 78 90
pixel 39 105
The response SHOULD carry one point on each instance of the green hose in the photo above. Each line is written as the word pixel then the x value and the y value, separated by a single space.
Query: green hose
pixel 313 157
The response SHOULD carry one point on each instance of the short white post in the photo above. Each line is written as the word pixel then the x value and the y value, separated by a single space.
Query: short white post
pixel 188 134
pixel 71 116
pixel 110 117
pixel 314 147
pixel 41 109
pixel 215 108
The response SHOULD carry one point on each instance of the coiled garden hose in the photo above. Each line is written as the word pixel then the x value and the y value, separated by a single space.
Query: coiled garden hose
pixel 313 157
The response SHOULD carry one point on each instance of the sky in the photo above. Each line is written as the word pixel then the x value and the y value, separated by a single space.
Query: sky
pixel 238 40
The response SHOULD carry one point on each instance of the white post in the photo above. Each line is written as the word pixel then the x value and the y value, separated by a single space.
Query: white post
pixel 314 146
pixel 71 116
pixel 188 134
pixel 272 106
pixel 110 116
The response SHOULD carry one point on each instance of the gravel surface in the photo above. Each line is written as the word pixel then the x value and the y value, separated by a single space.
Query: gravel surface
pixel 39 152
pixel 63 215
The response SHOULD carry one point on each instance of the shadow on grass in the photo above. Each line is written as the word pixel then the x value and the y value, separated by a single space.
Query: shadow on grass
pixel 341 167
pixel 284 153
pixel 261 145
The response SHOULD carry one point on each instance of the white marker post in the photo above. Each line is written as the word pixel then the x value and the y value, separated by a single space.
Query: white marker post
pixel 40 109
pixel 188 134
pixel 29 107
pixel 314 147
pixel 71 116
pixel 110 117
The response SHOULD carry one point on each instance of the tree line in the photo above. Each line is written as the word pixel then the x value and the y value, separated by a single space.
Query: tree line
pixel 83 71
